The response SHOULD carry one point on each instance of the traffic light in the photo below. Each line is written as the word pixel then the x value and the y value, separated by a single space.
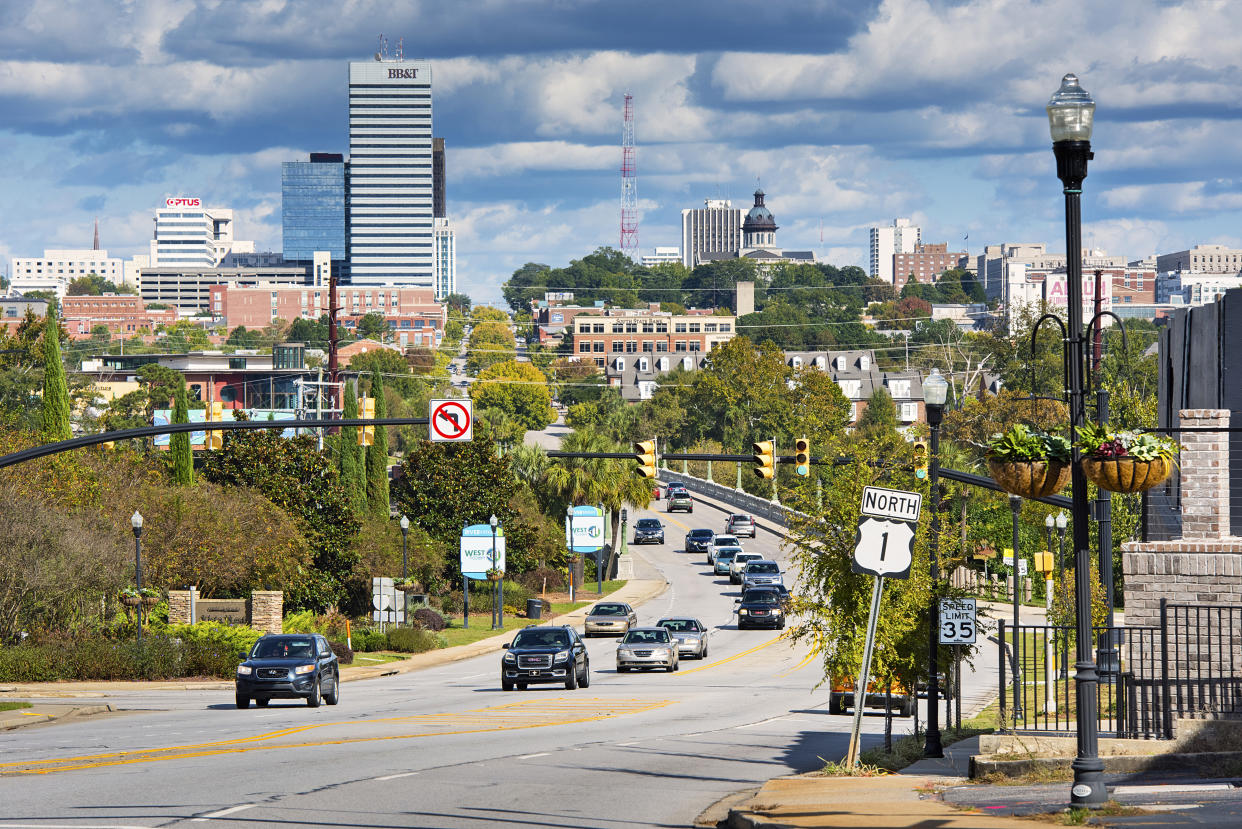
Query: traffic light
pixel 765 459
pixel 215 414
pixel 366 435
pixel 645 454
pixel 920 459
pixel 802 456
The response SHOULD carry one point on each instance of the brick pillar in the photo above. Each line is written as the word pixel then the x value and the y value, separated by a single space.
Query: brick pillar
pixel 267 610
pixel 1205 474
pixel 179 607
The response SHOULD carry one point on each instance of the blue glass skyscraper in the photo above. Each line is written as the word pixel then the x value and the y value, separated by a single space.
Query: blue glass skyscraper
pixel 313 207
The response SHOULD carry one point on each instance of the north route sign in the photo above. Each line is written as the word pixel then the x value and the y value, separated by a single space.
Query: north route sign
pixel 895 504
pixel 884 548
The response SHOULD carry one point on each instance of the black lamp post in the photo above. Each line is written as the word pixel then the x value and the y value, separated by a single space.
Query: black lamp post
pixel 1062 523
pixel 405 531
pixel 1071 114
pixel 1015 508
pixel 1049 523
pixel 498 590
pixel 935 392
pixel 136 522
pixel 569 517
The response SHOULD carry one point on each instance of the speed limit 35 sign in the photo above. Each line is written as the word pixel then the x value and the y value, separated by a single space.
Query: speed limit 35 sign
pixel 957 621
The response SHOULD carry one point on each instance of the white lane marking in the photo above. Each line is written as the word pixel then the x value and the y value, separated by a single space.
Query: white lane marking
pixel 1174 788
pixel 627 744
pixel 761 722
pixel 473 676
pixel 71 826
pixel 396 776
pixel 532 756
pixel 224 812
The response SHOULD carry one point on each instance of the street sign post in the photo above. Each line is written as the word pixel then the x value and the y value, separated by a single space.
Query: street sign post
pixel 958 621
pixel 451 421
pixel 884 548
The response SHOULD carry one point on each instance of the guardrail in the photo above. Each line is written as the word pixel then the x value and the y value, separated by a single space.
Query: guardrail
pixel 743 501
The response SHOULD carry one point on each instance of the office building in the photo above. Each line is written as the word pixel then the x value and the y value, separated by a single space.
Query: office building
pixel 439 203
pixel 13 310
pixel 313 207
pixel 123 314
pixel 389 188
pixel 55 269
pixel 1202 259
pixel 648 333
pixel 189 289
pixel 189 235
pixel 925 264
pixel 887 241
pixel 715 227
pixel 445 258
pixel 1194 288
pixel 660 256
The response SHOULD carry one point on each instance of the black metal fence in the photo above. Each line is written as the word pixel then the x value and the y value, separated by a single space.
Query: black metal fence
pixel 1190 666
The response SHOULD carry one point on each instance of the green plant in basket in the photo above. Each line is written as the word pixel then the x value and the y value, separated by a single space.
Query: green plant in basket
pixel 1021 444
pixel 1097 442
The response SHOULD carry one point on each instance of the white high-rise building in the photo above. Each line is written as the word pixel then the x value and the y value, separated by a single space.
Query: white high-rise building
pixel 57 268
pixel 446 258
pixel 714 228
pixel 189 235
pixel 899 237
pixel 660 255
pixel 389 180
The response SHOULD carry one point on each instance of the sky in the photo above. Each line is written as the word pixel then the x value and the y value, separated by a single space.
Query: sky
pixel 848 113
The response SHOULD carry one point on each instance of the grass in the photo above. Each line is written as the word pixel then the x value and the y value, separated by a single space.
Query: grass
pixel 481 624
pixel 377 658
pixel 1080 816
pixel 13 706
pixel 834 769
pixel 908 749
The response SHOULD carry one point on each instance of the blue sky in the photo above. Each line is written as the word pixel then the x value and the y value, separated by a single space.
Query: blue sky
pixel 850 113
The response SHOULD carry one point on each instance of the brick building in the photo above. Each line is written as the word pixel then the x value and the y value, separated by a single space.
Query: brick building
pixel 121 313
pixel 926 263
pixel 649 332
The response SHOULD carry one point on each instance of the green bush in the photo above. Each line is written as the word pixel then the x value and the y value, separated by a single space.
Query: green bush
pixel 367 640
pixel 302 621
pixel 428 619
pixel 414 640
pixel 515 595
pixel 450 603
pixel 205 649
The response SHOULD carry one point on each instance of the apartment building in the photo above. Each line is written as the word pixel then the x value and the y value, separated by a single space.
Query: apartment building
pixel 121 313
pixel 649 332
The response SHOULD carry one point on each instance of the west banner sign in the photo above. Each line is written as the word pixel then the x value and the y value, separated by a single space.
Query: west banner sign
pixel 588 530
pixel 476 550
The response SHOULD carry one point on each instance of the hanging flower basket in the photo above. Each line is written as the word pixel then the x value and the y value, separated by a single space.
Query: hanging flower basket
pixel 495 575
pixel 409 587
pixel 1029 463
pixel 150 601
pixel 131 601
pixel 1126 474
pixel 1125 461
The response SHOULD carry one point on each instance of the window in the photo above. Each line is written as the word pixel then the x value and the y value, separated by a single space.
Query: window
pixel 864 362
pixel 648 346
pixel 695 345
pixel 909 412
pixel 617 346
pixel 631 347
pixel 618 328
pixel 899 388
pixel 842 364
pixel 598 328
pixel 648 327
pixel 850 388
pixel 662 364
pixel 584 348
pixel 661 346
pixel 644 364
pixel 726 327
pixel 631 328
pixel 599 348
pixel 661 327
pixel 695 328
pixel 237 362
pixel 619 363
pixel 709 328
pixel 680 345
pixel 797 362
pixel 679 328
pixel 599 362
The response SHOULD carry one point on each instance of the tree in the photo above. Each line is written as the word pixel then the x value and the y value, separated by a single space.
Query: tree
pixel 391 365
pixel 95 285
pixel 443 487
pixel 240 337
pixel 314 333
pixel 880 416
pixel 517 388
pixel 458 302
pixel 179 444
pixel 295 476
pixel 55 390
pixel 372 326
pixel 350 454
pixel 377 454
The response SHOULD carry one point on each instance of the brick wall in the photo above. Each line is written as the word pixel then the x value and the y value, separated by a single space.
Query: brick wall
pixel 179 607
pixel 267 610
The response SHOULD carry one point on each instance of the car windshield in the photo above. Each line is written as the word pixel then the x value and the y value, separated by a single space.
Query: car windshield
pixel 609 610
pixel 541 639
pixel 761 597
pixel 646 637
pixel 726 554
pixel 648 524
pixel 701 533
pixel 283 649
pixel 740 519
pixel 741 557
pixel 681 625
pixel 727 541
pixel 763 567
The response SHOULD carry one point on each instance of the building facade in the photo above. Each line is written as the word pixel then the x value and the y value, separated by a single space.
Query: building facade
pixel 121 313
pixel 57 268
pixel 660 256
pixel 190 235
pixel 189 290
pixel 312 214
pixel 1207 259
pixel 925 264
pixel 715 227
pixel 856 374
pixel 445 258
pixel 390 198
pixel 651 332
pixel 759 241
pixel 13 310
pixel 1192 288
pixel 889 240
pixel 439 200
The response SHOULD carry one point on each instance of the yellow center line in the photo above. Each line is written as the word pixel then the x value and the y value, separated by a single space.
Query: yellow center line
pixel 728 659
pixel 540 714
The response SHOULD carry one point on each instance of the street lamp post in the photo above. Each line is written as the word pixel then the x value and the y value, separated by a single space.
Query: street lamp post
pixel 136 522
pixel 1071 114
pixel 1062 523
pixel 1015 507
pixel 498 590
pixel 1049 522
pixel 935 392
pixel 569 517
pixel 405 531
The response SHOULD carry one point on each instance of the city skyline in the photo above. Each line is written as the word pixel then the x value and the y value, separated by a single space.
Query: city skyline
pixel 849 114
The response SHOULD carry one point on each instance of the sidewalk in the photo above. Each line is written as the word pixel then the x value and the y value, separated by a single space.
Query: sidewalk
pixel 635 591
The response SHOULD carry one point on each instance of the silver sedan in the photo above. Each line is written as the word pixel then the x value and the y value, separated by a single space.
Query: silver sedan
pixel 690 633
pixel 647 648
pixel 610 618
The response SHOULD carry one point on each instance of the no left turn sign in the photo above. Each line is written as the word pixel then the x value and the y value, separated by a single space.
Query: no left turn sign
pixel 452 421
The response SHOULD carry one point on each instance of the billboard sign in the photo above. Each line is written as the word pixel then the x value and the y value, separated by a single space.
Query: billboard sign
pixel 588 530
pixel 476 550
pixel 183 202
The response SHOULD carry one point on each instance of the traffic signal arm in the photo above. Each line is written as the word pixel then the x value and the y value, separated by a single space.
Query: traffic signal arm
pixel 645 454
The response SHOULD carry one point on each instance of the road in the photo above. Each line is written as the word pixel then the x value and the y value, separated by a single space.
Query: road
pixel 446 747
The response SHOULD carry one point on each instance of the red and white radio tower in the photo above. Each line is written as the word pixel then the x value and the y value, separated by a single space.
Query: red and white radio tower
pixel 629 184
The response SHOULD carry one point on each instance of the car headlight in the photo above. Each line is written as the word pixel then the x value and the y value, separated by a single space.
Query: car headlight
pixel 562 656
pixel 661 651
pixel 244 670
pixel 625 652
pixel 509 659
pixel 743 612
pixel 303 669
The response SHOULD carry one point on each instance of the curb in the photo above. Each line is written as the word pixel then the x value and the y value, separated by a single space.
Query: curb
pixel 40 717
pixel 1207 761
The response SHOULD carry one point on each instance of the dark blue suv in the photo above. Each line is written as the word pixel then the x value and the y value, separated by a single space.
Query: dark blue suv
pixel 289 666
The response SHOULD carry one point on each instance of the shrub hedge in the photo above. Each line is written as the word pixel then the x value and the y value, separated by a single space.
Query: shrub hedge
pixel 414 640
pixel 428 619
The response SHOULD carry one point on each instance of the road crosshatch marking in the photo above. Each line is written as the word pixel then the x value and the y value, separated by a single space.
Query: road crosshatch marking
pixel 534 713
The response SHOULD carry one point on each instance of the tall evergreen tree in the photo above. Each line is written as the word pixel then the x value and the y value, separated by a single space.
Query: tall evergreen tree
pixel 349 452
pixel 377 455
pixel 55 390
pixel 179 444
